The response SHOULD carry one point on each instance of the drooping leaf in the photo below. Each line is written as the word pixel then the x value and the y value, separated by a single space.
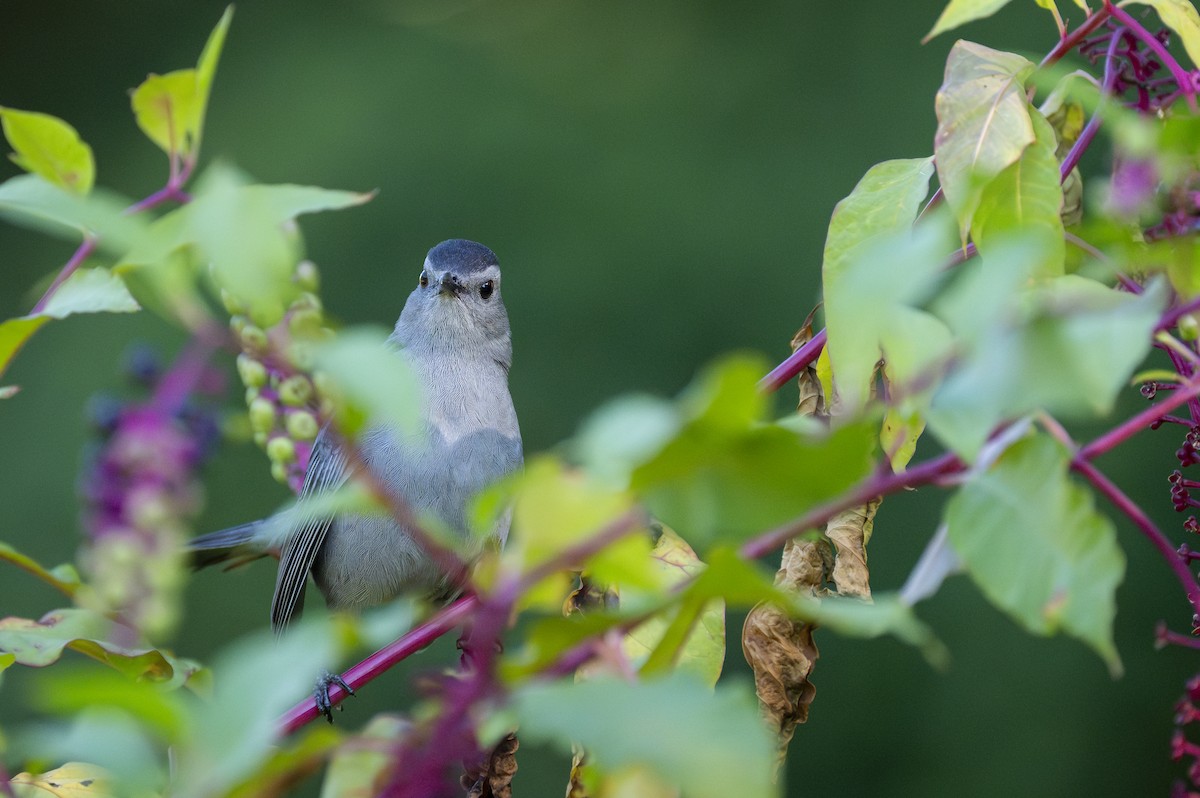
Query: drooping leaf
pixel 66 690
pixel 33 201
pixel 983 123
pixel 85 291
pixel 1067 347
pixel 1026 198
pixel 1181 17
pixel 46 145
pixel 42 642
pixel 291 762
pixel 960 12
pixel 72 780
pixel 1033 542
pixel 708 743
pixel 61 577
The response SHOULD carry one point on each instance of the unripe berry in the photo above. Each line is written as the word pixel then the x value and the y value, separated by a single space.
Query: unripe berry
pixel 253 338
pixel 260 439
pixel 1189 328
pixel 238 323
pixel 281 449
pixel 305 322
pixel 302 425
pixel 252 372
pixel 295 391
pixel 301 355
pixel 262 415
pixel 279 472
pixel 267 312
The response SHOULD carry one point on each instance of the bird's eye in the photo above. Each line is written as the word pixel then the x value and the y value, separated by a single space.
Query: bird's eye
pixel 424 281
pixel 485 290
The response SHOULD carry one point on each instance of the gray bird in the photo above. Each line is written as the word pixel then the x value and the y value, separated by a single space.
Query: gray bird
pixel 454 333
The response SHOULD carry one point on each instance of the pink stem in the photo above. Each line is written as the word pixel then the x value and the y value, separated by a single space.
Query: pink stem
pixel 80 255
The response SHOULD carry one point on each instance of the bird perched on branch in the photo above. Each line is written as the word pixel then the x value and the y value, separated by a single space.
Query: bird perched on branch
pixel 454 332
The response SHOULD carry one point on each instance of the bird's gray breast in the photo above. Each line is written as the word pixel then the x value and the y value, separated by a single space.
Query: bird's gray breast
pixel 468 440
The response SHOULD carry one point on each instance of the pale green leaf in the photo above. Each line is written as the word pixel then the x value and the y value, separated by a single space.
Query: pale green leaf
pixel 1068 347
pixel 710 744
pixel 623 434
pixel 291 762
pixel 983 122
pixel 47 146
pixel 960 12
pixel 869 310
pixel 373 382
pixel 239 230
pixel 35 202
pixel 230 735
pixel 885 201
pixel 1037 548
pixel 1026 198
pixel 1181 17
pixel 71 780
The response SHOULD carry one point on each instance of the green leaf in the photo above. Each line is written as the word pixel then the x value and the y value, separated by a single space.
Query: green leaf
pixel 46 145
pixel 960 12
pixel 167 110
pixel 61 577
pixel 239 230
pixel 727 474
pixel 230 735
pixel 1067 346
pixel 360 767
pixel 85 291
pixel 1026 198
pixel 693 639
pixel 623 434
pixel 885 202
pixel 291 762
pixel 66 690
pixel 42 642
pixel 37 203
pixel 1033 542
pixel 373 383
pixel 97 738
pixel 554 508
pixel 869 311
pixel 744 584
pixel 709 744
pixel 983 123
pixel 71 780
pixel 6 660
pixel 206 69
pixel 1181 17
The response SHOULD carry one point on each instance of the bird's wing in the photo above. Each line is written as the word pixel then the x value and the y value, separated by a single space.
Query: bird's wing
pixel 326 472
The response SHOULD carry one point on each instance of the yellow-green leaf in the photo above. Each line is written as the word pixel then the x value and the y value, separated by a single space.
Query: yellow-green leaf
pixel 1181 17
pixel 72 780
pixel 168 111
pixel 46 145
pixel 85 291
pixel 960 12
pixel 62 577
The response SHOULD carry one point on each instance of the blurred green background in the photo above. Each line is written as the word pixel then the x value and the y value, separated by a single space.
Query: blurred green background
pixel 656 179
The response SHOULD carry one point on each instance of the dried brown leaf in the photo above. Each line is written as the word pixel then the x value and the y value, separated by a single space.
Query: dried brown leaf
pixel 850 532
pixel 812 396
pixel 494 781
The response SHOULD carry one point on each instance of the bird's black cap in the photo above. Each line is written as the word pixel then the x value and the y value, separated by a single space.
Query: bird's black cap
pixel 461 256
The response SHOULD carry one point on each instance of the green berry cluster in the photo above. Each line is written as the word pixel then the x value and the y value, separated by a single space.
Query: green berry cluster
pixel 284 396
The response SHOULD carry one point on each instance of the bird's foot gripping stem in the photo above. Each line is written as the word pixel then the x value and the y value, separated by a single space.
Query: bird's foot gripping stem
pixel 321 693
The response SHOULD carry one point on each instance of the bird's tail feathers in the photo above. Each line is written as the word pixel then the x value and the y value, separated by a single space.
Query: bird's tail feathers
pixel 232 545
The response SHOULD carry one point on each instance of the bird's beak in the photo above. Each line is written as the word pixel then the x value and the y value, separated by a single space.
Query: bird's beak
pixel 450 285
